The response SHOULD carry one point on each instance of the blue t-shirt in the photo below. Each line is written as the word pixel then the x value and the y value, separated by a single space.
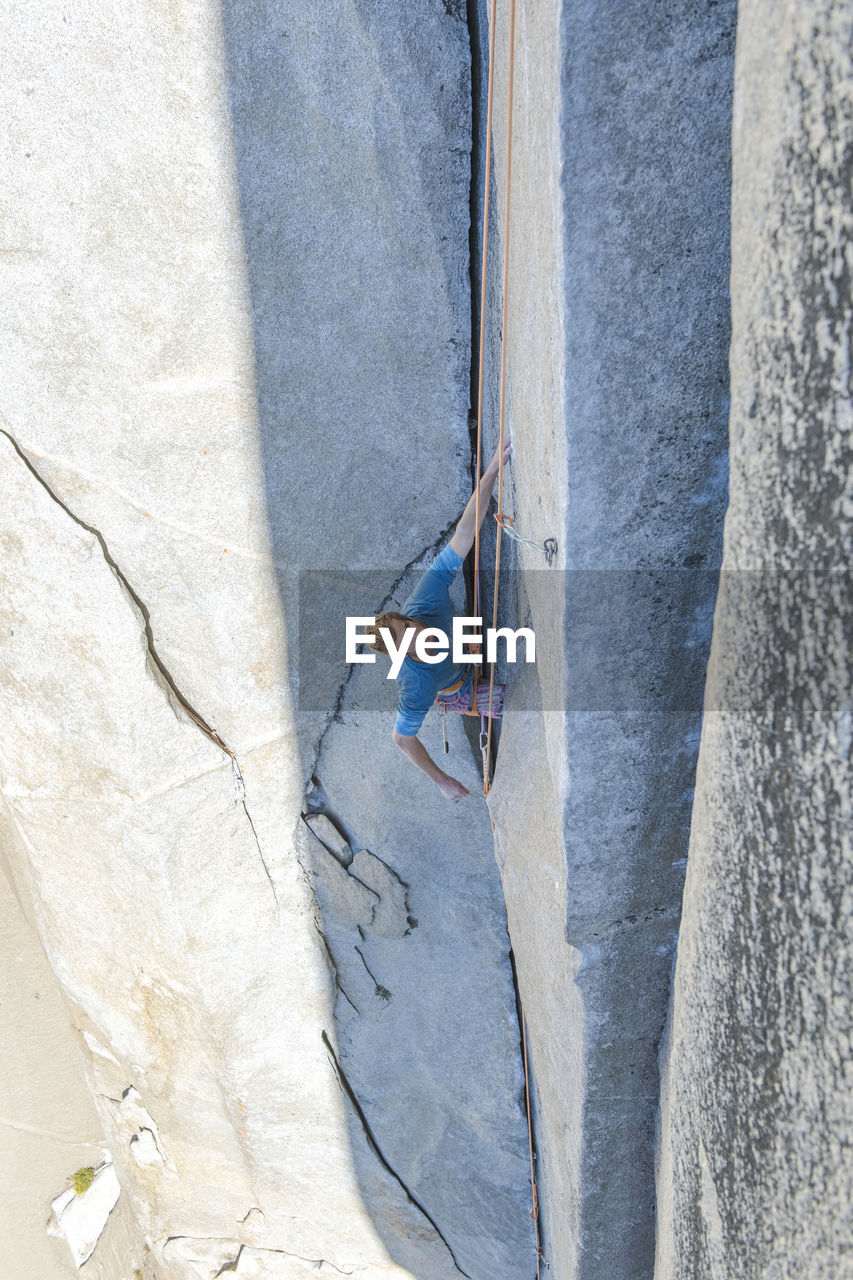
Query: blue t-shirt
pixel 419 682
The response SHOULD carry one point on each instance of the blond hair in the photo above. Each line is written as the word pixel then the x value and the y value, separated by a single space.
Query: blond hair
pixel 383 620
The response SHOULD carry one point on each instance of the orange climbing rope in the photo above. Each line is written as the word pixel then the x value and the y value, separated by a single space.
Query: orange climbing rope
pixel 492 25
pixel 500 517
pixel 504 327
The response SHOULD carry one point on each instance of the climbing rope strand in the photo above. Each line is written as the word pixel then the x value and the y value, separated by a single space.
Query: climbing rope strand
pixel 504 329
pixel 492 25
pixel 504 522
pixel 477 609
pixel 534 1209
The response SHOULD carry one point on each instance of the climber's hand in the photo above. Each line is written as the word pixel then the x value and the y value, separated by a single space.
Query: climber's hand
pixel 493 465
pixel 452 789
pixel 463 539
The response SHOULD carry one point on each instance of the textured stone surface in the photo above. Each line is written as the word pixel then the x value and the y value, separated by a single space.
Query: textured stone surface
pixel 755 1175
pixel 241 274
pixel 618 332
pixel 50 1125
pixel 80 1218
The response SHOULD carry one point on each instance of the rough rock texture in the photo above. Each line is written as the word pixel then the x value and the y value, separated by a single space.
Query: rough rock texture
pixel 79 1217
pixel 50 1125
pixel 755 1174
pixel 239 273
pixel 618 333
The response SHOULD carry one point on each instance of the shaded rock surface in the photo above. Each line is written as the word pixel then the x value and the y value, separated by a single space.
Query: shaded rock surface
pixel 237 347
pixel 219 318
pixel 755 1175
pixel 618 403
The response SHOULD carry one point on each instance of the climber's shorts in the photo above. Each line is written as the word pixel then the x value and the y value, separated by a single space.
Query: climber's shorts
pixel 461 702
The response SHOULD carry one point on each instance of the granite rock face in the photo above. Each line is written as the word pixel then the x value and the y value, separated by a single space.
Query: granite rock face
pixel 50 1125
pixel 238 282
pixel 236 355
pixel 617 383
pixel 755 1177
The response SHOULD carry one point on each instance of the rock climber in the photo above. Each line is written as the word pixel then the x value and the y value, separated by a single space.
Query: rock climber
pixel 447 683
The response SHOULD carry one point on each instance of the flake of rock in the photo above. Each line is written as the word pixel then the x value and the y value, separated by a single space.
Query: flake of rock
pixel 340 894
pixel 327 833
pixel 79 1219
pixel 390 914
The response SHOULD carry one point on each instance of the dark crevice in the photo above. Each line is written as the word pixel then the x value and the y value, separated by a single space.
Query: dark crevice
pixel 474 250
pixel 335 972
pixel 260 850
pixel 526 1099
pixel 374 1145
pixel 478 112
pixel 155 662
pixel 154 656
pixel 474 260
pixel 230 1266
pixel 382 992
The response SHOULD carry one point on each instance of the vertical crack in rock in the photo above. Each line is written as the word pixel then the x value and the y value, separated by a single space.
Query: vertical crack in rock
pixel 382 992
pixel 368 1133
pixel 474 272
pixel 157 664
pixel 474 252
pixel 334 965
pixel 254 832
pixel 526 1098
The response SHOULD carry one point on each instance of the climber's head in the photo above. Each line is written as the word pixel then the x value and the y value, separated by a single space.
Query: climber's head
pixel 394 622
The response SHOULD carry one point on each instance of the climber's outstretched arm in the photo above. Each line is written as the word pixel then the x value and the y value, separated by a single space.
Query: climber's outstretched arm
pixel 410 745
pixel 463 539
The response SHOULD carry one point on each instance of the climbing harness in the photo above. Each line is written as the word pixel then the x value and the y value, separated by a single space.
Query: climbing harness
pixel 472 703
pixel 443 715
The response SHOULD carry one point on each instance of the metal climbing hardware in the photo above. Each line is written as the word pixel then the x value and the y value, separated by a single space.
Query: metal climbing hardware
pixel 443 716
pixel 548 548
